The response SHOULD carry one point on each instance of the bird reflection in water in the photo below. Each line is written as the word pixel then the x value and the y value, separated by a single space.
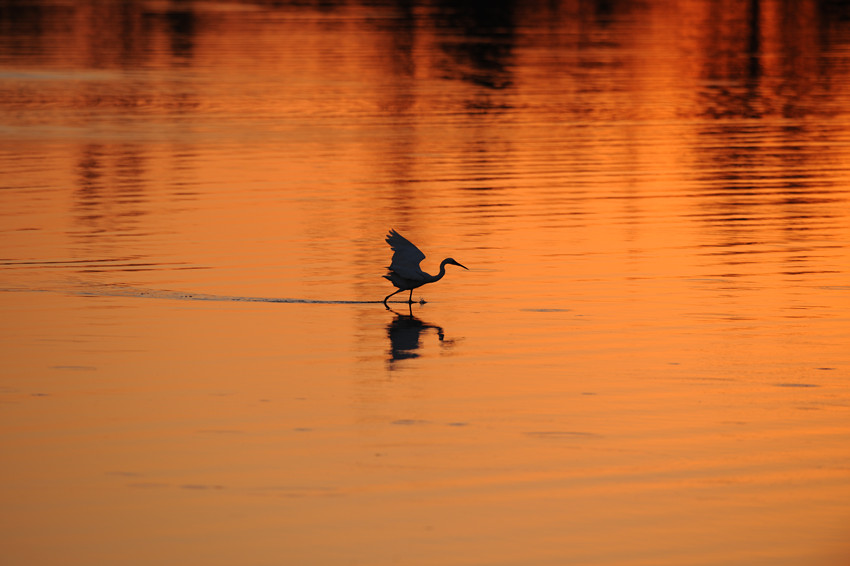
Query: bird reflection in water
pixel 405 331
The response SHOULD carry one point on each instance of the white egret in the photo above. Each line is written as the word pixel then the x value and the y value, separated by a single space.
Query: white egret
pixel 405 272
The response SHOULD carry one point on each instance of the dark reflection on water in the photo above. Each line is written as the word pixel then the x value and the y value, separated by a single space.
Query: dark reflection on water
pixel 181 22
pixel 754 67
pixel 405 333
pixel 478 37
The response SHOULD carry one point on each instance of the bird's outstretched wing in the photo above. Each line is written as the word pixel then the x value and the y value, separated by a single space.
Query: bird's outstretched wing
pixel 406 257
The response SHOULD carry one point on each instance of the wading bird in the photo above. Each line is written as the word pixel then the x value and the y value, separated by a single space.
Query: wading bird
pixel 405 272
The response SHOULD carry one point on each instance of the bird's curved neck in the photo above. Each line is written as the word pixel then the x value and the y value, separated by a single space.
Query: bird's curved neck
pixel 442 270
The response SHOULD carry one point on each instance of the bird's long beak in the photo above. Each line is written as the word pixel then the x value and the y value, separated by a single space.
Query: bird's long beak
pixel 463 266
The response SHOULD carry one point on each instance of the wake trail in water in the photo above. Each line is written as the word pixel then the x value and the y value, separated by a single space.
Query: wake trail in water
pixel 180 295
pixel 141 293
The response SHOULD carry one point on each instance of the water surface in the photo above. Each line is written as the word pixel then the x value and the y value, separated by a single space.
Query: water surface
pixel 646 363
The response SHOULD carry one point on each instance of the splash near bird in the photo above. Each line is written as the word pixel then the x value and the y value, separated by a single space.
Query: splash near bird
pixel 405 272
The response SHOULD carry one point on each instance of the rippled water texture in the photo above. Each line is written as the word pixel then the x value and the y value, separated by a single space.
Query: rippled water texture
pixel 647 362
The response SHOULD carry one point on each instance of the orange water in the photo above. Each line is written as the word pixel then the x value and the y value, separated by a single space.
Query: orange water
pixel 647 362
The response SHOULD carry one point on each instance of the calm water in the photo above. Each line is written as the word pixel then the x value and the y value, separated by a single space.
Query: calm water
pixel 646 364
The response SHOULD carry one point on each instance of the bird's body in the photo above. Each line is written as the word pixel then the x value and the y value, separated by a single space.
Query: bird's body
pixel 404 270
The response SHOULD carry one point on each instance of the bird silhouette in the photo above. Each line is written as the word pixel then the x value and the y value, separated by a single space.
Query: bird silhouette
pixel 405 272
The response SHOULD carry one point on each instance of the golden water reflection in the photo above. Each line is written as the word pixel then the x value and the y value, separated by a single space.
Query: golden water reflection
pixel 647 362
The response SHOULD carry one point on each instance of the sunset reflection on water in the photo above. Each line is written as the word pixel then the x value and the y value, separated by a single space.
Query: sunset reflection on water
pixel 646 363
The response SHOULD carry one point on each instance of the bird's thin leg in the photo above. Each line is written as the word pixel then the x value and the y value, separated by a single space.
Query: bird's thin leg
pixel 390 295
pixel 410 300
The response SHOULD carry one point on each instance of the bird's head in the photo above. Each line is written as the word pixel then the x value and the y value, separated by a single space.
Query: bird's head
pixel 451 261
